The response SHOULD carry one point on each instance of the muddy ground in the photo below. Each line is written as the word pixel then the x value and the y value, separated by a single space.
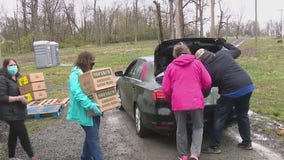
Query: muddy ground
pixel 62 140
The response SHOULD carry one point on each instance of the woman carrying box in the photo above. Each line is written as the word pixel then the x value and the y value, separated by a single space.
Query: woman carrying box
pixel 79 106
pixel 13 109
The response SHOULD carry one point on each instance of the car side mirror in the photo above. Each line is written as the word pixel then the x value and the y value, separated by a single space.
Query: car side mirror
pixel 118 73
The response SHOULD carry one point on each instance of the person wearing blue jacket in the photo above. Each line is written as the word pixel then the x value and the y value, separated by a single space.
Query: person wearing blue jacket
pixel 80 104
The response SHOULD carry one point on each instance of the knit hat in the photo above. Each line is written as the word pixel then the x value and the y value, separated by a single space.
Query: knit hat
pixel 205 56
pixel 199 53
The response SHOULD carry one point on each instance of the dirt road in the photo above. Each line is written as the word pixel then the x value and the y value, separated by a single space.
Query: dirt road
pixel 121 143
pixel 63 139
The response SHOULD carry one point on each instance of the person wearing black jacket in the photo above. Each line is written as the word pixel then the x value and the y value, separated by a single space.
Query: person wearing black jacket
pixel 13 109
pixel 235 88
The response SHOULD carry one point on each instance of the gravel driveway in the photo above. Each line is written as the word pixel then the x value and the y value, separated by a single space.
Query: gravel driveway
pixel 63 141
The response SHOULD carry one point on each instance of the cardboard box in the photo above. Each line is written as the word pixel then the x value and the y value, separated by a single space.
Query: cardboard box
pixel 36 86
pixel 107 98
pixel 32 77
pixel 97 79
pixel 36 95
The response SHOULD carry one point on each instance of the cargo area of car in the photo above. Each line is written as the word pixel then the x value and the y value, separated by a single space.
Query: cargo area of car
pixel 163 52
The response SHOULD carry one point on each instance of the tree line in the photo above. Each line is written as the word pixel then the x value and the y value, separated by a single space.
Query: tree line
pixel 130 20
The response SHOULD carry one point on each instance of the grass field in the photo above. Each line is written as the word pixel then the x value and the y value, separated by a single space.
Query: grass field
pixel 266 67
pixel 265 64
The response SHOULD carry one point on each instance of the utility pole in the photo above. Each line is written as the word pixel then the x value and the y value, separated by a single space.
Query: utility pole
pixel 255 25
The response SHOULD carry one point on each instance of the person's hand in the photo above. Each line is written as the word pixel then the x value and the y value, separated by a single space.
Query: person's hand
pixel 220 40
pixel 96 109
pixel 23 99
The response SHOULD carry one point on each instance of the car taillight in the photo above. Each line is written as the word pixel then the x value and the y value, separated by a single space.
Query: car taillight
pixel 163 127
pixel 158 95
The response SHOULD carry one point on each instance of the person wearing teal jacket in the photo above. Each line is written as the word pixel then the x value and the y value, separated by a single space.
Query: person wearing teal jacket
pixel 80 104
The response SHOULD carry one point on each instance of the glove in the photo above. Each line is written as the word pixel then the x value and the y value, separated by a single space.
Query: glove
pixel 96 109
pixel 220 40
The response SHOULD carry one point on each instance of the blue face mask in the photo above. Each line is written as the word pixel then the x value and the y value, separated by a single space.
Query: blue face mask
pixel 12 70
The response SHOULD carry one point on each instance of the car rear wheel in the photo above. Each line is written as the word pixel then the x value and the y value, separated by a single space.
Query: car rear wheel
pixel 140 129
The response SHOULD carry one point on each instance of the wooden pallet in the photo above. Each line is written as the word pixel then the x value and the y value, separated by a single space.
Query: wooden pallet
pixel 46 108
pixel 63 102
pixel 37 112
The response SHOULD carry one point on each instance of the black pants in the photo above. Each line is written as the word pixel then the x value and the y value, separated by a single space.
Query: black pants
pixel 18 129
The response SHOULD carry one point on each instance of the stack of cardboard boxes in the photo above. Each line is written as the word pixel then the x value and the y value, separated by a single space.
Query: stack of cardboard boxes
pixel 100 85
pixel 32 86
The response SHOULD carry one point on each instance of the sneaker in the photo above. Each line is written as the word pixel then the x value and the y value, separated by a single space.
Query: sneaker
pixel 193 157
pixel 183 158
pixel 246 146
pixel 210 150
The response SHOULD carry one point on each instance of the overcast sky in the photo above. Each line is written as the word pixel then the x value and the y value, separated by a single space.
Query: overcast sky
pixel 267 9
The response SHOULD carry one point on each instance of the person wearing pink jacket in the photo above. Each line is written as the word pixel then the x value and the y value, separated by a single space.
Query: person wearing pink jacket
pixel 183 84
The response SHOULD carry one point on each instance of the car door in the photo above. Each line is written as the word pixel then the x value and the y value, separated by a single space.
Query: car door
pixel 128 88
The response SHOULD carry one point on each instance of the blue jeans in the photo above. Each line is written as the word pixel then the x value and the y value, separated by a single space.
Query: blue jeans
pixel 91 147
pixel 224 108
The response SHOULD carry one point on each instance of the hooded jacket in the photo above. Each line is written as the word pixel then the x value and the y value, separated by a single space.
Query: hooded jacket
pixel 10 111
pixel 184 80
pixel 225 72
pixel 79 103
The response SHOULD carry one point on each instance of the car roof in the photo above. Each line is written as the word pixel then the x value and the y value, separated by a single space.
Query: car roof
pixel 147 58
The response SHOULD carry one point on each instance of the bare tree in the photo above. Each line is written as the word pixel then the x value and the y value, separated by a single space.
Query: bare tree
pixel 17 27
pixel 227 25
pixel 158 7
pixel 34 14
pixel 171 15
pixel 94 20
pixel 112 26
pixel 50 8
pixel 239 25
pixel 196 20
pixel 116 26
pixel 200 6
pixel 224 19
pixel 24 14
pixel 71 18
pixel 220 26
pixel 102 24
pixel 201 9
pixel 136 20
pixel 179 19
pixel 84 23
pixel 212 28
pixel 272 29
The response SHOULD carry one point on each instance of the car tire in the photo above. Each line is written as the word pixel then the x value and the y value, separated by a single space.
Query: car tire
pixel 140 128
